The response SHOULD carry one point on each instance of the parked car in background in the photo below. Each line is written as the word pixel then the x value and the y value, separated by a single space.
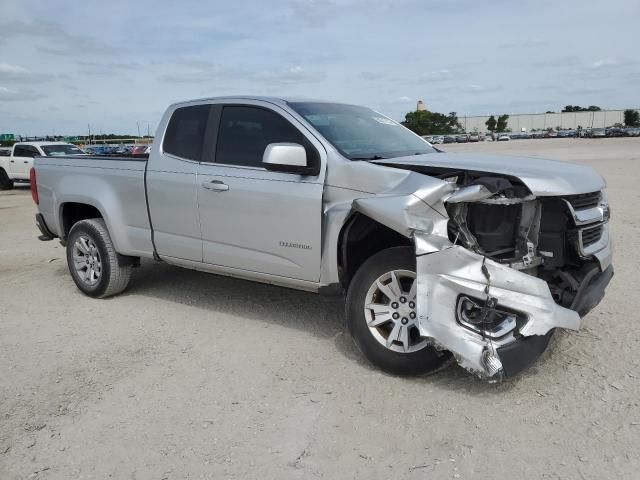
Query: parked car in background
pixel 138 150
pixel 16 166
pixel 474 137
pixel 94 149
pixel 597 133
pixel 449 139
pixel 504 137
pixel 437 140
pixel 632 132
pixel 464 138
pixel 567 133
pixel 616 132
pixel 123 149
pixel 5 151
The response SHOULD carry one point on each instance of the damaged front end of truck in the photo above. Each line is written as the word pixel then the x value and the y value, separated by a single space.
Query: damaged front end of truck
pixel 499 265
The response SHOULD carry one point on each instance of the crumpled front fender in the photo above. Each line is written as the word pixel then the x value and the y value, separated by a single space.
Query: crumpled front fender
pixel 446 274
pixel 422 210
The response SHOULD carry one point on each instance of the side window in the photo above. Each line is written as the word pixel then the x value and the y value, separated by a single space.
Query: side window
pixel 22 151
pixel 185 133
pixel 245 132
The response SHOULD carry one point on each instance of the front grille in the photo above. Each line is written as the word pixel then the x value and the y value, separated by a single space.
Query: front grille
pixel 591 235
pixel 584 200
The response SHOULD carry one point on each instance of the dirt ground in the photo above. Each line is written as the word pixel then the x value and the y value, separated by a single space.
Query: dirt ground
pixel 189 375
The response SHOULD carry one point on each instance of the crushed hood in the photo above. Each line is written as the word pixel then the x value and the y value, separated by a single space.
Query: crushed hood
pixel 543 177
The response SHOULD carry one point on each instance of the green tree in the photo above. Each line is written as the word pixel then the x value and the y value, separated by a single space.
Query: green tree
pixel 501 124
pixel 576 108
pixel 491 124
pixel 425 122
pixel 632 118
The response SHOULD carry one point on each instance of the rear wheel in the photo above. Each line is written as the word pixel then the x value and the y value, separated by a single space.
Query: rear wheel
pixel 382 315
pixel 5 182
pixel 96 268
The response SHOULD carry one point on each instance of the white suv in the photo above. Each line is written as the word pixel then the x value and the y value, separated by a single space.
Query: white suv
pixel 16 166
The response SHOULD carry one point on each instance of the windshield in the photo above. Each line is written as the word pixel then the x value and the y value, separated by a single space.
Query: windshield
pixel 359 133
pixel 63 149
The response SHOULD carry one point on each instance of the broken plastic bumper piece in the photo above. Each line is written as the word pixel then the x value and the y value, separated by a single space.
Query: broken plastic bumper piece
pixel 494 319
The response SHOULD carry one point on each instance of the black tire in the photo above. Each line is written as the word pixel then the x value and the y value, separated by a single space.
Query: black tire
pixel 426 360
pixel 115 268
pixel 5 182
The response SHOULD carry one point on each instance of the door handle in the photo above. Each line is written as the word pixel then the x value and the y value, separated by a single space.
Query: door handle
pixel 216 186
pixel 26 161
pixel 12 161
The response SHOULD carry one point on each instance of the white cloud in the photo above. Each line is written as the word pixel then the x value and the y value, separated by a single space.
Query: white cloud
pixel 605 62
pixel 437 76
pixel 11 95
pixel 11 69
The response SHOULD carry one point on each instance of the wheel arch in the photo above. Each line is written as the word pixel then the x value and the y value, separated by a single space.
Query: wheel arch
pixel 71 213
pixel 360 238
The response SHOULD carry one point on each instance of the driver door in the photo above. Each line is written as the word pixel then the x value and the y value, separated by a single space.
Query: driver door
pixel 253 219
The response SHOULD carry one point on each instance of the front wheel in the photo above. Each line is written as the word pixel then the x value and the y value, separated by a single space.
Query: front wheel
pixel 382 315
pixel 96 268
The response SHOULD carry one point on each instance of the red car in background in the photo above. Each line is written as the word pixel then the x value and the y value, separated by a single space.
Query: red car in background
pixel 139 150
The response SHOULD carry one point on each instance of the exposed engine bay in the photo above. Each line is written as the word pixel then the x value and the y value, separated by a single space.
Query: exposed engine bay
pixel 538 236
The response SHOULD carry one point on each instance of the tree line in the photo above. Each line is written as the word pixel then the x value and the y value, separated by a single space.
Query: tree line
pixel 425 122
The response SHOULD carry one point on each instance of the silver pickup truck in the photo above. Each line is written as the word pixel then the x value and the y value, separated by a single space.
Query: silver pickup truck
pixel 475 257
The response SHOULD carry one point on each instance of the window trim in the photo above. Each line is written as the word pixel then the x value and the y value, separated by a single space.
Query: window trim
pixel 214 144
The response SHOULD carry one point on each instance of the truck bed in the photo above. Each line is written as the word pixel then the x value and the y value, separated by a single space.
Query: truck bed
pixel 115 186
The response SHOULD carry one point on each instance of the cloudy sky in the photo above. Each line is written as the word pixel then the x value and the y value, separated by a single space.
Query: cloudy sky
pixel 112 63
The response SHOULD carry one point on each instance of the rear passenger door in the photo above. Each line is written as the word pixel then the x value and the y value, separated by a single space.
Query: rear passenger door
pixel 256 220
pixel 172 184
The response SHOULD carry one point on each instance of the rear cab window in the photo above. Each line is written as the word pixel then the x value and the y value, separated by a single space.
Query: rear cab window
pixel 26 151
pixel 185 134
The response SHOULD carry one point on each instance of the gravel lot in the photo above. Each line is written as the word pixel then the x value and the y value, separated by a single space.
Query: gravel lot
pixel 189 375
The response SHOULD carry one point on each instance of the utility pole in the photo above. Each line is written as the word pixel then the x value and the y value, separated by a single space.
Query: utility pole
pixel 138 124
pixel 89 126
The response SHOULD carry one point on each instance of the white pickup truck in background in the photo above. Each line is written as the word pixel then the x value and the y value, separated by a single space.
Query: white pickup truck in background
pixel 16 166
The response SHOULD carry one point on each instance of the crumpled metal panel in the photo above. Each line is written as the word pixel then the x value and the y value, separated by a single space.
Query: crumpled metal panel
pixel 445 275
pixel 417 211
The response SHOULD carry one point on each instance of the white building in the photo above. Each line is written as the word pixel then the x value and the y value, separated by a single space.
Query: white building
pixel 544 121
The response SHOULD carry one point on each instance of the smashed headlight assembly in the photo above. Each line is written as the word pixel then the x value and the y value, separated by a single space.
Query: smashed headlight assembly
pixel 485 318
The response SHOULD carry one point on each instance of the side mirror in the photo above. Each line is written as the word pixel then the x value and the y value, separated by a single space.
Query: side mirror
pixel 287 158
